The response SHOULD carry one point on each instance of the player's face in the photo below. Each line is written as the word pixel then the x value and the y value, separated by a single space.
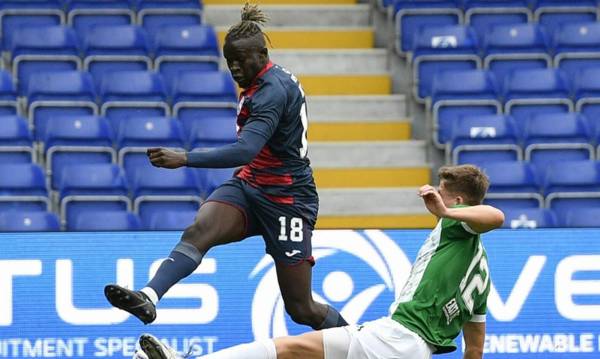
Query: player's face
pixel 449 199
pixel 245 60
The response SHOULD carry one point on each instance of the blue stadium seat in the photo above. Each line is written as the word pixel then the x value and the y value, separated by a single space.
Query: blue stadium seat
pixel 91 187
pixel 154 15
pixel 105 221
pixel 28 221
pixel 132 94
pixel 411 15
pixel 517 46
pixel 529 218
pixel 116 48
pixel 483 14
pixel 186 48
pixel 213 132
pixel 572 184
pixel 150 132
pixel 52 94
pixel 554 13
pixel 437 49
pixel 8 95
pixel 528 92
pixel 199 94
pixel 17 14
pixel 23 187
pixel 212 178
pixel 83 14
pixel 586 92
pixel 558 137
pixel 76 140
pixel 151 181
pixel 514 184
pixel 581 217
pixel 16 142
pixel 176 220
pixel 577 46
pixel 483 139
pixel 477 95
pixel 46 48
pixel 156 190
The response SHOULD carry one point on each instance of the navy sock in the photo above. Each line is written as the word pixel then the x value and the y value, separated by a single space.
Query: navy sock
pixel 183 261
pixel 333 319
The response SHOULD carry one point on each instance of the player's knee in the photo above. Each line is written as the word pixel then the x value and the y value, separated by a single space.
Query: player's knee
pixel 300 313
pixel 195 233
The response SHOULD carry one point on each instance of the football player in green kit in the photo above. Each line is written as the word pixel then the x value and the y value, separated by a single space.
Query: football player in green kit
pixel 446 291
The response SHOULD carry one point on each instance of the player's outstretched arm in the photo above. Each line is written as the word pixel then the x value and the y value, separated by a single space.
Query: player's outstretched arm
pixel 474 334
pixel 480 218
pixel 237 154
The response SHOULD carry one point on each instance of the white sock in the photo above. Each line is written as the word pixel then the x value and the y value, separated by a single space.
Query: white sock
pixel 151 294
pixel 264 349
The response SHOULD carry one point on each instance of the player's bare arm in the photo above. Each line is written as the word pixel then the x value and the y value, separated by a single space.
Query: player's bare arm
pixel 474 334
pixel 162 157
pixel 480 218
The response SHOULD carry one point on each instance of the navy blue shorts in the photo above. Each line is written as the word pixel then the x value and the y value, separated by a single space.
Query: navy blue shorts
pixel 285 228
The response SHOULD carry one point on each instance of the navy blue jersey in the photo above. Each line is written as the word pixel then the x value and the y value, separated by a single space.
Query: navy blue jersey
pixel 276 107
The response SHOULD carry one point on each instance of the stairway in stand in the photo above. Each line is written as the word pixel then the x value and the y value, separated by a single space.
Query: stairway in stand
pixel 367 167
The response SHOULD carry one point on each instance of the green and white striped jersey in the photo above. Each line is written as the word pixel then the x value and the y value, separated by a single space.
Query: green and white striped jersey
pixel 447 287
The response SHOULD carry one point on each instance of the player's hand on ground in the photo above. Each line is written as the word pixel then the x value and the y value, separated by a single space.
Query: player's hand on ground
pixel 162 157
pixel 433 200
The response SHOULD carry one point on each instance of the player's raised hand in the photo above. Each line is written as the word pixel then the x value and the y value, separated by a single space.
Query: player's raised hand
pixel 162 157
pixel 433 200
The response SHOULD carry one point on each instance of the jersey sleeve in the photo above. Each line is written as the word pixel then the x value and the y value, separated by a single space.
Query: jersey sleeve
pixel 457 230
pixel 479 313
pixel 267 108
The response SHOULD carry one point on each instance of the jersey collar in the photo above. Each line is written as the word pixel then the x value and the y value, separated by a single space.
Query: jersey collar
pixel 253 84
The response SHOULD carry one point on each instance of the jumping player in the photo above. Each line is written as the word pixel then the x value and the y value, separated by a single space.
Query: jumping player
pixel 445 293
pixel 272 195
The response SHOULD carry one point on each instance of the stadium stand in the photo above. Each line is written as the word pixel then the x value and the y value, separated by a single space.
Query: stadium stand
pixel 105 221
pixel 97 82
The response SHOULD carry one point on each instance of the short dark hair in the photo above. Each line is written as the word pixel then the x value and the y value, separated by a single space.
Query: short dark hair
pixel 250 27
pixel 467 181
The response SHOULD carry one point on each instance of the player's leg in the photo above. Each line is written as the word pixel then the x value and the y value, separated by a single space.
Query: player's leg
pixel 329 344
pixel 295 283
pixel 222 219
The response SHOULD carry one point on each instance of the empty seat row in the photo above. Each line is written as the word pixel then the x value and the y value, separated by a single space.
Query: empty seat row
pixel 111 48
pixel 541 139
pixel 99 186
pixel 508 48
pixel 525 93
pixel 411 15
pixel 531 218
pixel 83 14
pixel 108 220
pixel 561 187
pixel 189 96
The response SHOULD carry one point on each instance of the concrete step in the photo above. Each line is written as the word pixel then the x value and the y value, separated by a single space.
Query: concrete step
pixel 294 14
pixel 372 201
pixel 304 37
pixel 341 61
pixel 360 131
pixel 279 2
pixel 387 154
pixel 356 108
pixel 373 208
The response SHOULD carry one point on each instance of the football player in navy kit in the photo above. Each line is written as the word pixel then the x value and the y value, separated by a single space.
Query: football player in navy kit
pixel 272 195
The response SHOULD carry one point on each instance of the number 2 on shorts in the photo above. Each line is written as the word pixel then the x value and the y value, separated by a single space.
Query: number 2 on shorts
pixel 296 234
